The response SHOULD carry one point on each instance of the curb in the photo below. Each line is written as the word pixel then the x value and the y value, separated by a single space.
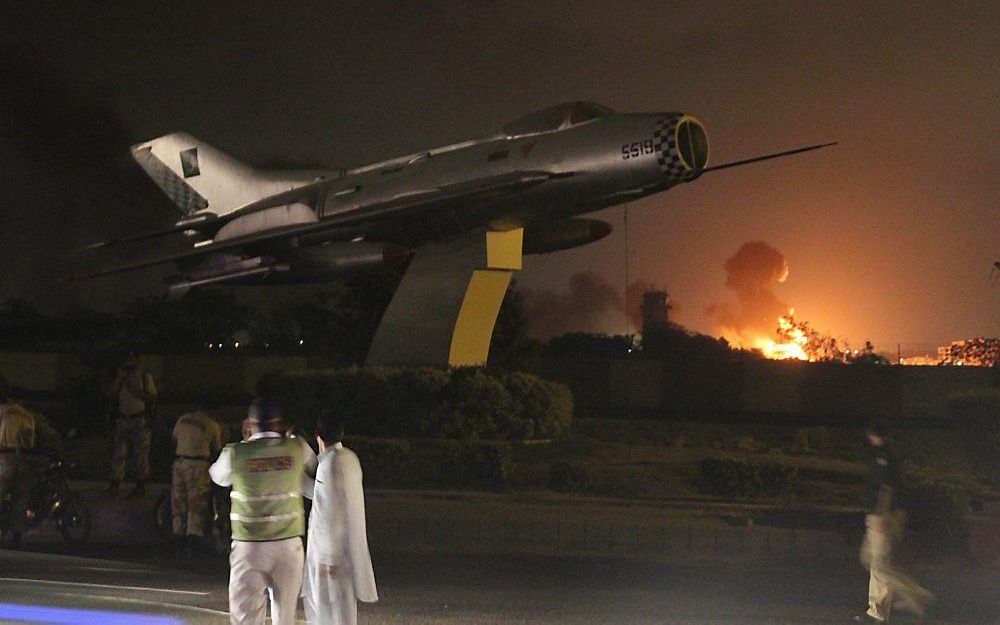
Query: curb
pixel 407 529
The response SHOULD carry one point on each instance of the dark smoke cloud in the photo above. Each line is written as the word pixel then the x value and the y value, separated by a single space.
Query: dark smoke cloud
pixel 585 308
pixel 751 273
pixel 579 310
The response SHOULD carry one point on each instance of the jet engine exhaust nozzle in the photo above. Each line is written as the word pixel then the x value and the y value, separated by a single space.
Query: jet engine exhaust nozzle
pixel 681 145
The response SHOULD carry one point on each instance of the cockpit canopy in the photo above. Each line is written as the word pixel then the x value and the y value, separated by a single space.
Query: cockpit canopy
pixel 556 117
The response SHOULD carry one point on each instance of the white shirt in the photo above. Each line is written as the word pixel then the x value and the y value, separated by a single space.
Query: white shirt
pixel 222 469
pixel 337 528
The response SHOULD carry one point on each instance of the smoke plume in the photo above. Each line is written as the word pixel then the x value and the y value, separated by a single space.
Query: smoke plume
pixel 751 273
pixel 580 310
pixel 592 305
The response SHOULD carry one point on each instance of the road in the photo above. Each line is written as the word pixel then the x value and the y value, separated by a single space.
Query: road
pixel 449 590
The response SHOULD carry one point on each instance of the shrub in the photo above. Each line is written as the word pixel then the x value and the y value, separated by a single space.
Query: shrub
pixel 465 403
pixel 811 440
pixel 742 478
pixel 546 407
pixel 475 464
pixel 977 414
pixel 748 444
pixel 936 503
pixel 383 460
pixel 418 391
pixel 373 401
pixel 475 405
pixel 567 477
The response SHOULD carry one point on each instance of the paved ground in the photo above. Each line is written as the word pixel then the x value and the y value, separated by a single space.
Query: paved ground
pixel 492 589
pixel 539 524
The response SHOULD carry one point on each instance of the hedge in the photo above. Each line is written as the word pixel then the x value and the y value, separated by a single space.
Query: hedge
pixel 742 478
pixel 546 407
pixel 469 403
pixel 474 464
pixel 450 463
pixel 383 461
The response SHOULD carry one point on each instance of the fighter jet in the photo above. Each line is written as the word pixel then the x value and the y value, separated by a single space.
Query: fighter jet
pixel 539 173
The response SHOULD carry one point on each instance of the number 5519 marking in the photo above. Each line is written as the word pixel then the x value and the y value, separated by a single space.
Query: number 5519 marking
pixel 637 149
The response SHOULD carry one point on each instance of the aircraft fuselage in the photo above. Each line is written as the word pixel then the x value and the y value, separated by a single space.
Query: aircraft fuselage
pixel 593 165
pixel 537 173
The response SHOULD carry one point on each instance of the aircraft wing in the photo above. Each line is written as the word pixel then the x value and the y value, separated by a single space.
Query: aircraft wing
pixel 346 226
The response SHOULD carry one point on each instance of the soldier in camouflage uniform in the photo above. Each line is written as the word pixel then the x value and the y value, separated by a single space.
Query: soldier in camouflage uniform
pixel 198 439
pixel 134 392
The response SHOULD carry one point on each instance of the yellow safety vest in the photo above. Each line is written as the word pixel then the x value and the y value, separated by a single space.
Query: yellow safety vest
pixel 266 496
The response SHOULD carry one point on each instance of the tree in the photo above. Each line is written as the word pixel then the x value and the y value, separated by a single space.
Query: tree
pixel 510 345
pixel 186 324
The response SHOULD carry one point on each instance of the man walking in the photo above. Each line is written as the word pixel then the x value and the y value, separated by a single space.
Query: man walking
pixel 269 472
pixel 887 583
pixel 338 565
pixel 134 392
pixel 198 439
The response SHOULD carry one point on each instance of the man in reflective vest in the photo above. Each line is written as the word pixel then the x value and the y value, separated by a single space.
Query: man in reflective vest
pixel 269 473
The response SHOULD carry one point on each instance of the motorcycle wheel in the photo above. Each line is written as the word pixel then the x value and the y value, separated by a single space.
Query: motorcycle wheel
pixel 74 520
pixel 219 534
pixel 163 515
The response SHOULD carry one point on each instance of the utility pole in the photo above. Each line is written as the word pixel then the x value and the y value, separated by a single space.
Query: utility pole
pixel 625 291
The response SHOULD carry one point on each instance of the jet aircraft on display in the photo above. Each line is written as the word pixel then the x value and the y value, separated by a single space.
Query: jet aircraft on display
pixel 532 179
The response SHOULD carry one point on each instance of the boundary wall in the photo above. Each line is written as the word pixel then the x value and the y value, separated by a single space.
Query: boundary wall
pixel 640 385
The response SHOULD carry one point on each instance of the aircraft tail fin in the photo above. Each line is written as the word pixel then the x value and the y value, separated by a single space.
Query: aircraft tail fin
pixel 199 177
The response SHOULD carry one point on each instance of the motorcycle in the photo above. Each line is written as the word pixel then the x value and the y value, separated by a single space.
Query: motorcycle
pixel 50 498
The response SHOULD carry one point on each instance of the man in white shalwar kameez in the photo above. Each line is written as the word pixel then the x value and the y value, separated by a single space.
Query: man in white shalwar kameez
pixel 338 566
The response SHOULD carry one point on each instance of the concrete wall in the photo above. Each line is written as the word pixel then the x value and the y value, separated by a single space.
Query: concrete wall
pixel 796 388
pixel 35 372
pixel 822 391
pixel 187 375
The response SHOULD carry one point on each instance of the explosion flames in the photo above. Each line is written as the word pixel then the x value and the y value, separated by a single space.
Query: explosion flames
pixel 751 273
pixel 757 321
pixel 749 323
pixel 796 340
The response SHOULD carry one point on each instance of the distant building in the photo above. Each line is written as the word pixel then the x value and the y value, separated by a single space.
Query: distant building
pixel 977 352
pixel 655 312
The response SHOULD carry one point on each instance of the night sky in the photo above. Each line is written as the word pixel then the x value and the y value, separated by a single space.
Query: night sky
pixel 889 236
